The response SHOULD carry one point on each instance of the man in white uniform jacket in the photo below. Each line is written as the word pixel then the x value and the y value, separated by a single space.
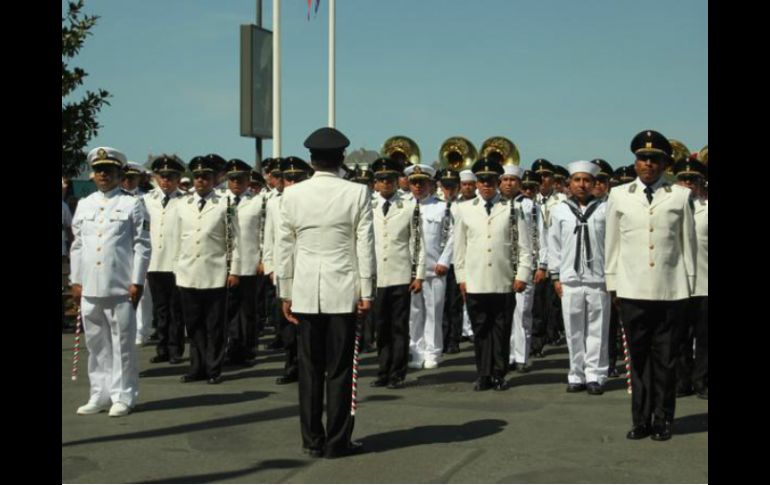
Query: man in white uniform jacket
pixel 650 249
pixel 576 262
pixel 426 341
pixel 489 270
pixel 110 255
pixel 325 268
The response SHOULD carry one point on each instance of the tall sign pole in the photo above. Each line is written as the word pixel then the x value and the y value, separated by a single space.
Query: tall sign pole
pixel 331 62
pixel 276 78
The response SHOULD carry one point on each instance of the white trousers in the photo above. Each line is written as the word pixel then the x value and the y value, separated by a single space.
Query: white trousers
pixel 144 315
pixel 426 339
pixel 586 311
pixel 521 336
pixel 110 329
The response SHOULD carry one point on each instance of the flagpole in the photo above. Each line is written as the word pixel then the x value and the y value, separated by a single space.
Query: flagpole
pixel 276 78
pixel 331 62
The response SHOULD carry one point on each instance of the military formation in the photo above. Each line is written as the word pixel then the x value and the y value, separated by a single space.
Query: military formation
pixel 399 257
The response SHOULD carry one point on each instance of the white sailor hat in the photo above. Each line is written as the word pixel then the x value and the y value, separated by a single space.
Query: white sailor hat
pixel 467 176
pixel 106 156
pixel 133 168
pixel 184 180
pixel 584 167
pixel 420 171
pixel 513 170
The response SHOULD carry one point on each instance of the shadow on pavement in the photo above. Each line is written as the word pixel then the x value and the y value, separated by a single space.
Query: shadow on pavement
pixel 533 379
pixel 202 400
pixel 696 423
pixel 425 435
pixel 222 476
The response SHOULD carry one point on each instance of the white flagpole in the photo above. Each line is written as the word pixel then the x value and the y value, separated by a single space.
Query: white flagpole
pixel 331 62
pixel 276 78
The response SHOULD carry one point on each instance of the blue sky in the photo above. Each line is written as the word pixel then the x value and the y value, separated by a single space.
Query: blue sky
pixel 563 79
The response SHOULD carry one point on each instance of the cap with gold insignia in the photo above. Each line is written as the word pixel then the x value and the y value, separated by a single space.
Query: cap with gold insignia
pixel 649 144
pixel 605 169
pixel 485 168
pixel 512 171
pixel 133 168
pixel 530 177
pixel 292 166
pixel 386 167
pixel 419 171
pixel 237 167
pixel 560 173
pixel 106 156
pixel 582 166
pixel 219 162
pixel 448 175
pixel 272 166
pixel 690 167
pixel 625 174
pixel 203 164
pixel 256 177
pixel 165 164
pixel 543 166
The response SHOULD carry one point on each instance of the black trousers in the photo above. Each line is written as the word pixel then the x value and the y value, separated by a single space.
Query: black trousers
pixel 540 314
pixel 326 366
pixel 391 316
pixel 271 309
pixel 491 317
pixel 368 335
pixel 652 331
pixel 453 311
pixel 261 302
pixel 555 320
pixel 694 370
pixel 204 317
pixel 286 335
pixel 168 309
pixel 242 315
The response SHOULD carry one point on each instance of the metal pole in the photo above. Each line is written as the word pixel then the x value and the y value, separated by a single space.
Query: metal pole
pixel 258 140
pixel 331 61
pixel 276 78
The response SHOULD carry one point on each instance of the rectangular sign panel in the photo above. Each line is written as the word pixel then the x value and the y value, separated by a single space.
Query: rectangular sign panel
pixel 256 82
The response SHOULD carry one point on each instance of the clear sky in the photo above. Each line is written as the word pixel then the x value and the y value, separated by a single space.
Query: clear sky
pixel 563 79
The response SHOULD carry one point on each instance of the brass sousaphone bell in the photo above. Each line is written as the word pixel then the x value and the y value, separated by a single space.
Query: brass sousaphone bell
pixel 401 148
pixel 500 149
pixel 456 153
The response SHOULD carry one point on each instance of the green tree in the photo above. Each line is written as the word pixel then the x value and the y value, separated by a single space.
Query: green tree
pixel 78 118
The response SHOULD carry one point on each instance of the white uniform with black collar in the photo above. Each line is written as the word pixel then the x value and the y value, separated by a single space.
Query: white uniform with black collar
pixel 427 307
pixel 110 252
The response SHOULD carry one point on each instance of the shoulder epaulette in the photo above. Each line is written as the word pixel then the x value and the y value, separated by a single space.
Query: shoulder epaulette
pixel 632 188
pixel 667 188
pixel 476 201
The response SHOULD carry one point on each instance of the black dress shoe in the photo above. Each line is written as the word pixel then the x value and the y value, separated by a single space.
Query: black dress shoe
pixel 159 358
pixel 175 360
pixel 190 378
pixel 638 432
pixel 594 388
pixel 661 431
pixel 215 379
pixel 576 387
pixel 353 448
pixel 288 379
pixel 483 384
pixel 500 384
pixel 396 383
pixel 379 382
pixel 452 349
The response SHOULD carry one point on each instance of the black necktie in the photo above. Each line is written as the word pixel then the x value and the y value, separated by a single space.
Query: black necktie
pixel 385 207
pixel 237 199
pixel 648 191
pixel 201 203
pixel 165 201
pixel 488 206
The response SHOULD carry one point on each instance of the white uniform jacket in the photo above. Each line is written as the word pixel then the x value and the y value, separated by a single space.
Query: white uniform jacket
pixel 202 258
pixel 433 213
pixel 272 221
pixel 650 249
pixel 537 231
pixel 250 216
pixel 483 246
pixel 563 245
pixel 163 229
pixel 545 205
pixel 111 249
pixel 394 242
pixel 325 253
pixel 702 255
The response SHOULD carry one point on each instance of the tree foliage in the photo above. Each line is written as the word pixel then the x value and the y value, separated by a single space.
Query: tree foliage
pixel 79 122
